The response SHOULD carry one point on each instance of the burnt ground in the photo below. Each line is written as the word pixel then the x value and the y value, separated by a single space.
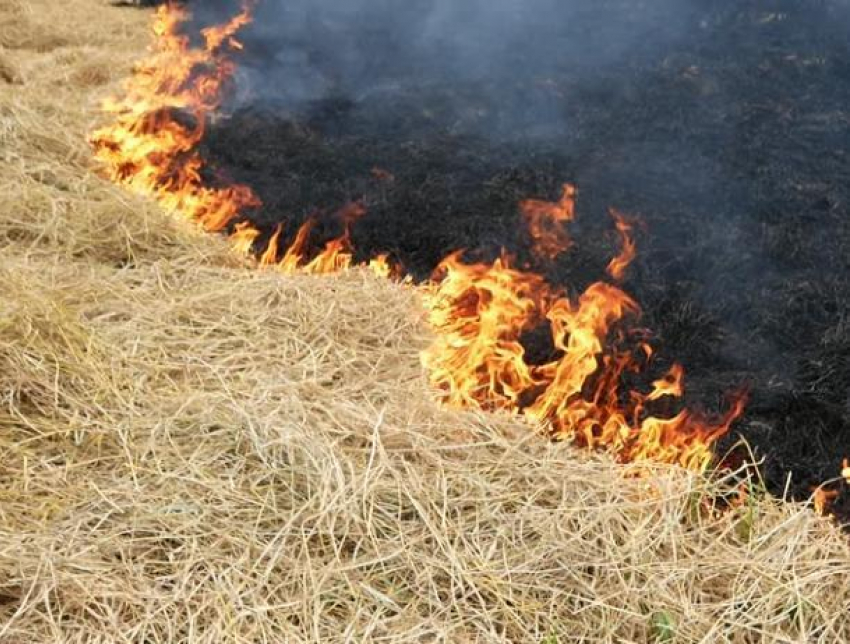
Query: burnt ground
pixel 731 143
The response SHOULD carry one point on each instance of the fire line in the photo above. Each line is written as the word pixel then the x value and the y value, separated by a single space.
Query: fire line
pixel 478 312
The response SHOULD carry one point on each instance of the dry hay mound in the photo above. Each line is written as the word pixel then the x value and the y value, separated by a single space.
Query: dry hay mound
pixel 193 451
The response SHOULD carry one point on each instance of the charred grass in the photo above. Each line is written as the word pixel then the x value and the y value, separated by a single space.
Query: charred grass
pixel 731 148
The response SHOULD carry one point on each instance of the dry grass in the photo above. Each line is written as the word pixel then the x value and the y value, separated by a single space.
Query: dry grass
pixel 192 451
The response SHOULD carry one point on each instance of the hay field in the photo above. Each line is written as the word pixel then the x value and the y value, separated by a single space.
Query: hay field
pixel 195 451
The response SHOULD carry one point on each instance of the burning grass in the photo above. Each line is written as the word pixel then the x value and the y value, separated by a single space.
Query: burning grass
pixel 192 450
pixel 478 312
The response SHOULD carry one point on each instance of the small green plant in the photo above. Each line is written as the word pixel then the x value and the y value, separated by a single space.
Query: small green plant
pixel 551 638
pixel 663 627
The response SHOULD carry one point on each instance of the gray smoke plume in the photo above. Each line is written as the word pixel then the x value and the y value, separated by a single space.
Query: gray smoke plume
pixel 300 51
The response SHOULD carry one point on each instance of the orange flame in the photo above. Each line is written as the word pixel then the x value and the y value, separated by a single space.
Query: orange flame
pixel 151 146
pixel 546 220
pixel 822 500
pixel 480 313
pixel 381 266
pixel 617 267
pixel 337 255
pixel 244 237
pixel 824 495
pixel 269 256
pixel 670 385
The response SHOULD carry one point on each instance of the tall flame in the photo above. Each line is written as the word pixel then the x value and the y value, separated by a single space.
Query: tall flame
pixel 479 313
pixel 151 147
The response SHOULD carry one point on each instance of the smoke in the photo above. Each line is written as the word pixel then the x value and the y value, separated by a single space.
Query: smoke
pixel 509 53
pixel 721 124
pixel 662 108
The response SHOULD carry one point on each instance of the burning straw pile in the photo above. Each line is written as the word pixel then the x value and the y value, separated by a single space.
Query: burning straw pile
pixel 192 450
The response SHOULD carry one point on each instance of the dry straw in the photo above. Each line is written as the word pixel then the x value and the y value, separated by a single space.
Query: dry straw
pixel 193 451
